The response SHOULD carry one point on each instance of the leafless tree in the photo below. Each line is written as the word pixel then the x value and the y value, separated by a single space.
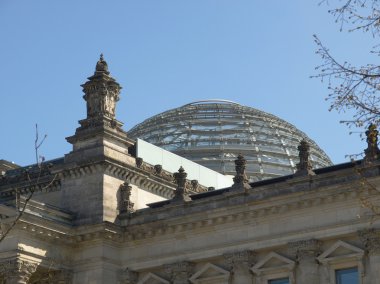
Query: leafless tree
pixel 354 88
pixel 33 180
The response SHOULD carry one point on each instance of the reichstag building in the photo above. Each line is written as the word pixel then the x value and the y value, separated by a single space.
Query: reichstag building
pixel 211 192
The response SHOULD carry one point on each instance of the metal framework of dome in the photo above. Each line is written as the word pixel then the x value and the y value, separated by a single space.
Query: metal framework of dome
pixel 213 133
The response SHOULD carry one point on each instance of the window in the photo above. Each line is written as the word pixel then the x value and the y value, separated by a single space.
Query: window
pixel 343 263
pixel 347 276
pixel 279 281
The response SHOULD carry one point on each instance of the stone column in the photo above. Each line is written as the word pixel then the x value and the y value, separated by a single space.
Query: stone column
pixel 180 272
pixel 371 241
pixel 305 252
pixel 239 264
pixel 17 271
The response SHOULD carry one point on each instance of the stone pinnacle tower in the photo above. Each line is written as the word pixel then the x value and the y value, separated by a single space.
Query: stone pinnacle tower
pixel 99 145
pixel 100 131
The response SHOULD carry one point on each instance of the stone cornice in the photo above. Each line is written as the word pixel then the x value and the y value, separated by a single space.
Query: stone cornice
pixel 146 176
pixel 44 184
pixel 223 211
pixel 125 172
pixel 49 230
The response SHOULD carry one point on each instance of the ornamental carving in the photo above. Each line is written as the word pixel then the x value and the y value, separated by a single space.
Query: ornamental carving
pixel 238 258
pixel 139 162
pixel 158 169
pixel 372 152
pixel 181 193
pixel 194 184
pixel 101 92
pixel 180 272
pixel 304 166
pixel 240 179
pixel 304 249
pixel 17 271
pixel 371 240
pixel 125 204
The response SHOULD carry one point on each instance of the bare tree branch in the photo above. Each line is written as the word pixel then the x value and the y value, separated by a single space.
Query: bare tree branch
pixel 353 88
pixel 40 163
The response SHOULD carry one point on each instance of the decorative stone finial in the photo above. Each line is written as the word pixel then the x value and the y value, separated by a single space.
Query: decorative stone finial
pixel 101 65
pixel 304 167
pixel 372 152
pixel 180 192
pixel 240 179
pixel 101 94
pixel 125 204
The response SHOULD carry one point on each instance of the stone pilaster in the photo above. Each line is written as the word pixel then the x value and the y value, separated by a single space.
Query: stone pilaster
pixel 180 272
pixel 17 271
pixel 239 264
pixel 305 252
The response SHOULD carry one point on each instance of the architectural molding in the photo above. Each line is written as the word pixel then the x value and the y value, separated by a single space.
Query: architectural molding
pixel 47 184
pixel 267 210
pixel 210 272
pixel 339 256
pixel 151 278
pixel 274 266
pixel 350 251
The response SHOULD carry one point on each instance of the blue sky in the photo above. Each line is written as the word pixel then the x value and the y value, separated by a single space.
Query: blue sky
pixel 167 53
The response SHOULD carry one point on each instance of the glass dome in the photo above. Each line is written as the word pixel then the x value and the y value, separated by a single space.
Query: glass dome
pixel 213 132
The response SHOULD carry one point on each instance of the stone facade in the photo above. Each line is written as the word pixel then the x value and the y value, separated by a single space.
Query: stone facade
pixel 87 219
